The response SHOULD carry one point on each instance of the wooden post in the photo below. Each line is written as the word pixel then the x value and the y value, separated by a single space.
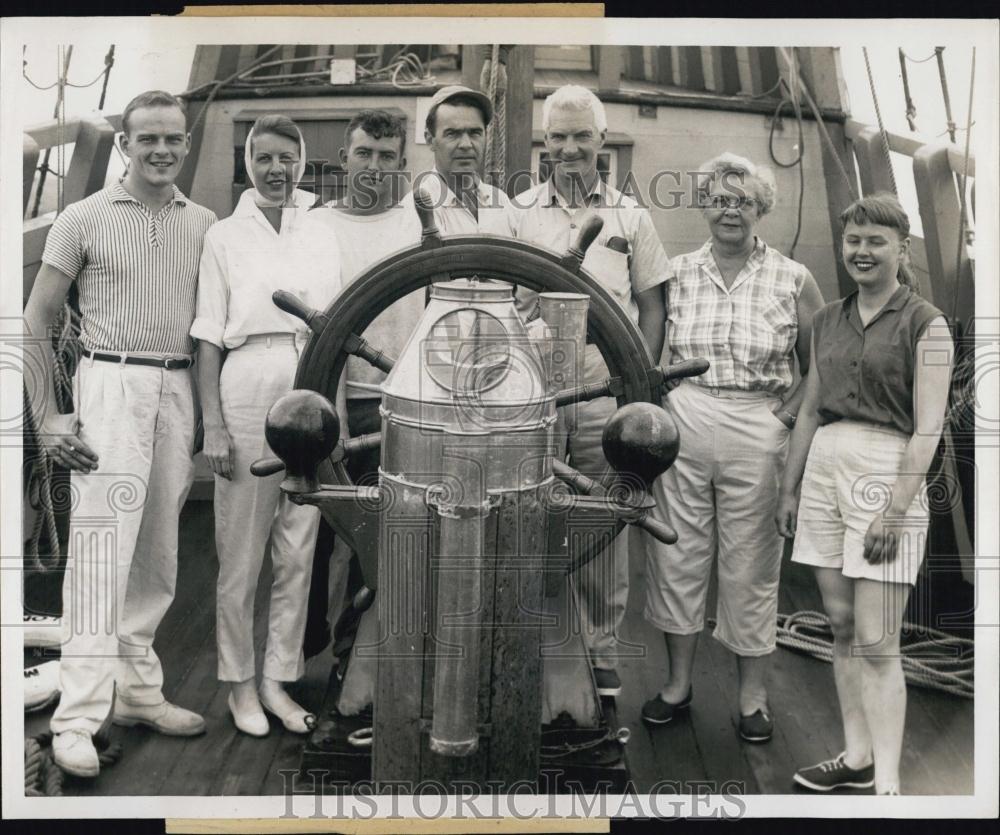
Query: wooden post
pixel 520 108
pixel 872 165
pixel 610 66
pixel 89 164
pixel 29 157
pixel 838 196
pixel 939 215
pixel 211 63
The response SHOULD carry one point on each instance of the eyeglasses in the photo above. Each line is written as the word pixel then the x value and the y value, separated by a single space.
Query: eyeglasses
pixel 722 201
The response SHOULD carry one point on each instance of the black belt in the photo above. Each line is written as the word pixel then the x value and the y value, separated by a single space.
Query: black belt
pixel 171 363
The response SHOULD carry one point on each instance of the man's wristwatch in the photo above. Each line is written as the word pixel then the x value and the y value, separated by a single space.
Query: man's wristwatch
pixel 791 418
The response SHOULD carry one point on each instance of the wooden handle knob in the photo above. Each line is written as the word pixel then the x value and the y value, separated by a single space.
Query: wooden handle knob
pixel 263 467
pixel 660 530
pixel 591 228
pixel 686 368
pixel 290 303
pixel 424 205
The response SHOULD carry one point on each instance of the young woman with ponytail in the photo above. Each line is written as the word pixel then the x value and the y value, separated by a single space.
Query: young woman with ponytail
pixel 853 493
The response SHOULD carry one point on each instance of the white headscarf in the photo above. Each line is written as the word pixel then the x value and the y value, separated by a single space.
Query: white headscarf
pixel 296 196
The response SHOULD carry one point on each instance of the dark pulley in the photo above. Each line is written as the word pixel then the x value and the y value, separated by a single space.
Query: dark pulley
pixel 641 439
pixel 302 428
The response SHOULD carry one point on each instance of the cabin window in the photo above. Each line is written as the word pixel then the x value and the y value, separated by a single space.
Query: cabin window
pixel 577 58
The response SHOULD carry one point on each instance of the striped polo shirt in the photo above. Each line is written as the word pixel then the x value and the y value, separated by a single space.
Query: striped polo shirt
pixel 136 271
pixel 746 331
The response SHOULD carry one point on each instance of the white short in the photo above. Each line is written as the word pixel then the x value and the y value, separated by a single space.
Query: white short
pixel 847 481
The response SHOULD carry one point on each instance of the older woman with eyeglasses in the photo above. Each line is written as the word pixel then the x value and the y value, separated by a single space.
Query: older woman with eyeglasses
pixel 746 308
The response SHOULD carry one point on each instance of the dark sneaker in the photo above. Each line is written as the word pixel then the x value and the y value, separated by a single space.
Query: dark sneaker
pixel 835 774
pixel 608 683
pixel 659 712
pixel 757 727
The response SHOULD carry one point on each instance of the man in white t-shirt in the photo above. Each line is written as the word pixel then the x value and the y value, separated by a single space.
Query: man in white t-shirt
pixel 370 224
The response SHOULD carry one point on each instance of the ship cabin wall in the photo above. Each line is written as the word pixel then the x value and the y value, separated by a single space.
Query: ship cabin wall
pixel 660 145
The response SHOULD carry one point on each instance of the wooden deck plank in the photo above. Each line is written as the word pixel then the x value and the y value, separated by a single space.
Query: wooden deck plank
pixel 699 746
pixel 664 752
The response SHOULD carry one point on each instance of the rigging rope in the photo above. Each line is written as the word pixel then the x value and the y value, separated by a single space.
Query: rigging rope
pixel 911 108
pixel 940 661
pixel 961 190
pixel 881 126
pixel 939 54
pixel 494 81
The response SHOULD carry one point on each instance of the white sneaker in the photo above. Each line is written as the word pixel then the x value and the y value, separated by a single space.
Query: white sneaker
pixel 42 631
pixel 164 718
pixel 41 686
pixel 74 753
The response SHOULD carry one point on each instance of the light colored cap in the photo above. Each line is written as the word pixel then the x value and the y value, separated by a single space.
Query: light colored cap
pixel 449 92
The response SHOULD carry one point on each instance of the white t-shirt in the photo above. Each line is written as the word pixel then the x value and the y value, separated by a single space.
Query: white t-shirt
pixel 363 241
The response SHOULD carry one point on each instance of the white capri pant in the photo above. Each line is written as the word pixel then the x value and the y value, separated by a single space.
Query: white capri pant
pixel 720 496
pixel 847 481
pixel 248 509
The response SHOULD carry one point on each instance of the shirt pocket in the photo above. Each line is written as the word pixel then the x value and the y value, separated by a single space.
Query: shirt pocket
pixel 610 268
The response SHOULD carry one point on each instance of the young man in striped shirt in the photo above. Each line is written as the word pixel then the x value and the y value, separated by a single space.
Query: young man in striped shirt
pixel 133 249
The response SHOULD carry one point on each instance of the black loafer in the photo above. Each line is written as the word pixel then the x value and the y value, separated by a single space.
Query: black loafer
pixel 757 727
pixel 658 712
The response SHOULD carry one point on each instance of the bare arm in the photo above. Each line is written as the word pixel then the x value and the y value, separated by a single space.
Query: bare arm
pixel 219 452
pixel 810 300
pixel 652 318
pixel 798 450
pixel 931 378
pixel 59 434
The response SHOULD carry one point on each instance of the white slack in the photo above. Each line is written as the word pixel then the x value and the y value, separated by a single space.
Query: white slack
pixel 248 509
pixel 122 566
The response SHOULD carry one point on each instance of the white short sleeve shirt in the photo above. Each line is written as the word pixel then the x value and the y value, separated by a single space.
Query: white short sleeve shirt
pixel 245 260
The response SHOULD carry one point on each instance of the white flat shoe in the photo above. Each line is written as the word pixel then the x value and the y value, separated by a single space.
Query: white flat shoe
pixel 299 721
pixel 252 723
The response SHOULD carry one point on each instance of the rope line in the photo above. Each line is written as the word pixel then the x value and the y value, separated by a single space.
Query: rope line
pixel 66 352
pixel 940 661
pixel 493 80
pixel 43 778
pixel 911 108
pixel 824 134
pixel 881 125
pixel 961 191
pixel 930 57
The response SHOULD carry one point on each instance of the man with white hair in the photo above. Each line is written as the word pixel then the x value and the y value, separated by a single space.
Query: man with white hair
pixel 628 259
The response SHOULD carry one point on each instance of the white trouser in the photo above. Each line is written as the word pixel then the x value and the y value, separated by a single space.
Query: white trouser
pixel 122 566
pixel 601 585
pixel 720 496
pixel 248 509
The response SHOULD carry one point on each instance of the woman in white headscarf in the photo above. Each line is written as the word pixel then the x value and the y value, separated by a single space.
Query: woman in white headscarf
pixel 247 356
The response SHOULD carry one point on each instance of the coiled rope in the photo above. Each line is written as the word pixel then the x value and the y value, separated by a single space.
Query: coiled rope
pixel 940 661
pixel 43 778
pixel 66 352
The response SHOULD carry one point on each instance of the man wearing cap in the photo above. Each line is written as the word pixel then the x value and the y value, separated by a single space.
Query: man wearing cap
pixel 628 259
pixel 133 250
pixel 456 133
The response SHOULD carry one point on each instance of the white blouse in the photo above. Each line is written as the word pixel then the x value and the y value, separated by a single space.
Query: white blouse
pixel 244 261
